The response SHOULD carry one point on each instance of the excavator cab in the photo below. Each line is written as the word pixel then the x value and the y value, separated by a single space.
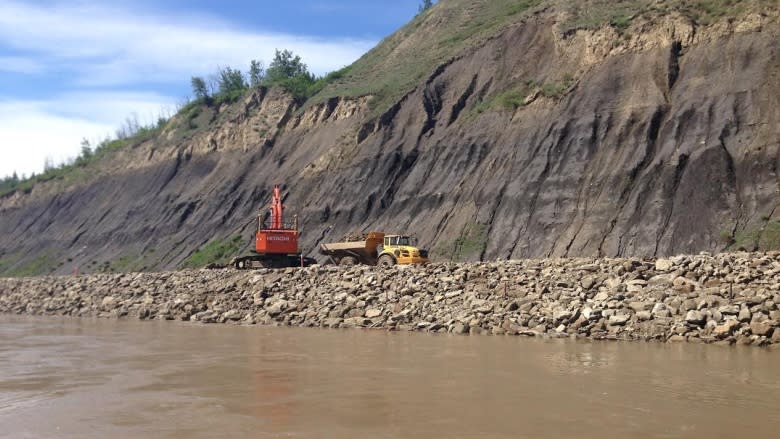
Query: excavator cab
pixel 402 250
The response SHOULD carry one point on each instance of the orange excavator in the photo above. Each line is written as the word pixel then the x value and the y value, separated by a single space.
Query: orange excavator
pixel 276 246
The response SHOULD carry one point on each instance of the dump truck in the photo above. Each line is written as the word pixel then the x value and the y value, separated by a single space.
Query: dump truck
pixel 375 248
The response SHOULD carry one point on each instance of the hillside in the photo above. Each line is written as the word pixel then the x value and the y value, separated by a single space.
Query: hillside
pixel 490 129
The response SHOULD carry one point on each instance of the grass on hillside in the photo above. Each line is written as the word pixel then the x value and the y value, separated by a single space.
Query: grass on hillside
pixel 43 264
pixel 765 237
pixel 516 96
pixel 81 167
pixel 218 251
pixel 471 243
pixel 401 61
pixel 620 14
pixel 123 264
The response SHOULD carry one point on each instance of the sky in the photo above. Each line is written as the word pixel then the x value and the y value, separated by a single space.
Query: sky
pixel 73 70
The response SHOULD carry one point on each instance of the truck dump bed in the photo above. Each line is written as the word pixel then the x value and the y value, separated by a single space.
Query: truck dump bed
pixel 363 251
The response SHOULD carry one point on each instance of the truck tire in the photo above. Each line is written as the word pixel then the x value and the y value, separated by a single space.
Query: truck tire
pixel 385 261
pixel 348 260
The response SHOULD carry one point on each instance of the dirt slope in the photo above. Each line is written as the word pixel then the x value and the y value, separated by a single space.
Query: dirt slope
pixel 540 140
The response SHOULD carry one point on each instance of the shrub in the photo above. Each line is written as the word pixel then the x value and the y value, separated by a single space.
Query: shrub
pixel 726 238
pixel 217 251
pixel 512 99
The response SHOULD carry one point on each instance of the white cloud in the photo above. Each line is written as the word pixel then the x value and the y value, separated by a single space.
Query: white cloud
pixel 32 131
pixel 93 58
pixel 117 46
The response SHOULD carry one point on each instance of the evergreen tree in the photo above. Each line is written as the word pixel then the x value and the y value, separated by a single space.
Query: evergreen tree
pixel 424 6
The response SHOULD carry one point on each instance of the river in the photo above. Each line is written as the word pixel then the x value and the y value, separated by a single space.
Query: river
pixel 78 378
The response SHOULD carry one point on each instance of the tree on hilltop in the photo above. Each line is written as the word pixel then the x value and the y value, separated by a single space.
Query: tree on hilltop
pixel 424 6
pixel 199 88
pixel 286 65
pixel 256 73
pixel 231 80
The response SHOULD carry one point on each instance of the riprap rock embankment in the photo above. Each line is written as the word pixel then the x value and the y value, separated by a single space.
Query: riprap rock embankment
pixel 724 299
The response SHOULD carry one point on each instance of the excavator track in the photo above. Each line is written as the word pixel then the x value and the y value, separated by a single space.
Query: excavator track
pixel 253 262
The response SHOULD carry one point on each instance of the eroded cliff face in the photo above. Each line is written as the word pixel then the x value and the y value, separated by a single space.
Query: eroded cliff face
pixel 537 143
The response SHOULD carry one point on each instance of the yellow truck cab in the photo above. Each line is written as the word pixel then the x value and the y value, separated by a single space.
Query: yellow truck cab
pixel 401 250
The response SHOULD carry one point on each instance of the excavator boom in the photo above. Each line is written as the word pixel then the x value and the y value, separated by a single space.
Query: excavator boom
pixel 277 209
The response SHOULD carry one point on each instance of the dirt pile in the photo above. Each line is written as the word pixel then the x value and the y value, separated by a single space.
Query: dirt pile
pixel 725 299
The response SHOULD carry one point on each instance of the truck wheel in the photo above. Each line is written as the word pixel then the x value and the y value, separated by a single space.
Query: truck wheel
pixel 348 260
pixel 385 261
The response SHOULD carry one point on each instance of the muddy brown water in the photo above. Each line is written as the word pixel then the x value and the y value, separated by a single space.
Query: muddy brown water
pixel 106 378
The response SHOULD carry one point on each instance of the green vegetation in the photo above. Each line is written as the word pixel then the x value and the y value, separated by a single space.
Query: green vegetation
pixel 764 237
pixel 124 264
pixel 557 90
pixel 512 99
pixel 199 88
pixel 438 34
pixel 706 11
pixel 401 61
pixel 770 236
pixel 517 96
pixel 470 244
pixel 6 262
pixel 746 240
pixel 509 100
pixel 132 133
pixel 620 22
pixel 598 13
pixel 287 71
pixel 41 265
pixel 217 251
pixel 424 6
pixel 620 14
pixel 256 73
pixel 726 237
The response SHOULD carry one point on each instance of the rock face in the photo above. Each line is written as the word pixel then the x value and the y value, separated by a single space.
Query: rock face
pixel 519 297
pixel 659 141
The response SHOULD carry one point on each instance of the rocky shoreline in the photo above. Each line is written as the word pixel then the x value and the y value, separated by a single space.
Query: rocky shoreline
pixel 723 299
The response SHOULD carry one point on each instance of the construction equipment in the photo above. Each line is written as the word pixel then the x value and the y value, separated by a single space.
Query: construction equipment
pixel 375 248
pixel 276 246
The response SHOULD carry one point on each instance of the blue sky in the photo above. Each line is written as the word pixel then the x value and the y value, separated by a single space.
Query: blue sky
pixel 77 69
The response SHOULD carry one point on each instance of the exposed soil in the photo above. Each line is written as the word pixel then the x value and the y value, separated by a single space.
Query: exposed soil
pixel 661 142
